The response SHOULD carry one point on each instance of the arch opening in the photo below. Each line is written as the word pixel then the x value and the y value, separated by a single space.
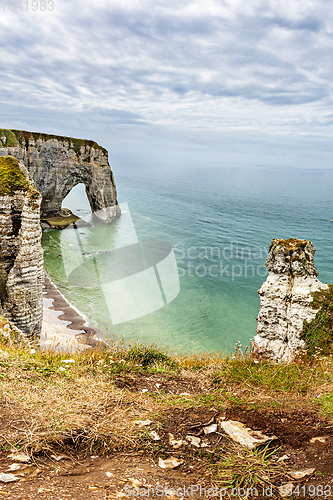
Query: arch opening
pixel 77 201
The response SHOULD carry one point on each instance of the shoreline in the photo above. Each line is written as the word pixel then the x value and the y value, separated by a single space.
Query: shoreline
pixel 67 329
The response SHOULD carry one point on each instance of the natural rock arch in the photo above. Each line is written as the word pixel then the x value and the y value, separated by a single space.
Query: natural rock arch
pixel 57 164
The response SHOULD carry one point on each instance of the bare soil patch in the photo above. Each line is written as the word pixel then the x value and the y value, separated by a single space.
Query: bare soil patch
pixel 159 383
pixel 293 428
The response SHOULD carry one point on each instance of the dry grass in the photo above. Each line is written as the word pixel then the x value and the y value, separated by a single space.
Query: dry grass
pixel 52 403
pixel 78 406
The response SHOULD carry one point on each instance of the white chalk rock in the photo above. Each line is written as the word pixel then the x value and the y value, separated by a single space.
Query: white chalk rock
pixel 169 463
pixel 244 435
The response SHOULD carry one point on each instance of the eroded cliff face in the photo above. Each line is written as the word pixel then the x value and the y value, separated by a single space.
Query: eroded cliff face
pixel 57 164
pixel 285 297
pixel 21 253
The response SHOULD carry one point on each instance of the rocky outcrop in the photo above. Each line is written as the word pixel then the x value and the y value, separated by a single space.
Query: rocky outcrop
pixel 56 164
pixel 285 297
pixel 21 254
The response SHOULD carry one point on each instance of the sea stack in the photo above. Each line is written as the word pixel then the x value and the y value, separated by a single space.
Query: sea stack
pixel 21 253
pixel 285 297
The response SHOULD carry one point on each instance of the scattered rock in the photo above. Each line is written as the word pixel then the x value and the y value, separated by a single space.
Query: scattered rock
pixel 142 423
pixel 169 463
pixel 194 441
pixel 299 474
pixel 244 435
pixel 19 457
pixel 210 429
pixel 59 457
pixel 174 442
pixel 154 436
pixel 320 439
pixel 8 478
pixel 14 467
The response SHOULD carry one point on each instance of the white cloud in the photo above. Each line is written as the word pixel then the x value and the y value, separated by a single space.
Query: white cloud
pixel 259 66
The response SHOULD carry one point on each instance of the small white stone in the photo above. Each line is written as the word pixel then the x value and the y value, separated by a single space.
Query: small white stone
pixel 19 456
pixel 142 423
pixel 154 436
pixel 321 439
pixel 14 467
pixel 209 429
pixel 299 474
pixel 193 440
pixel 169 463
pixel 8 478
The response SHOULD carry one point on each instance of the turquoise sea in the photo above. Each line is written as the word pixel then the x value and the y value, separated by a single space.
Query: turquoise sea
pixel 220 223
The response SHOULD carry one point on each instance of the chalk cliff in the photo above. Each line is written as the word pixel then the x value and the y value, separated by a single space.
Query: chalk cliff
pixel 56 164
pixel 285 297
pixel 21 254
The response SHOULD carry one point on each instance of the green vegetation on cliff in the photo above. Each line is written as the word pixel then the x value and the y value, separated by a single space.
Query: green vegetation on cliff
pixel 12 178
pixel 22 137
pixel 318 334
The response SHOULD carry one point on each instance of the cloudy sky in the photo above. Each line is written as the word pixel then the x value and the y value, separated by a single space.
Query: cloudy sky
pixel 175 83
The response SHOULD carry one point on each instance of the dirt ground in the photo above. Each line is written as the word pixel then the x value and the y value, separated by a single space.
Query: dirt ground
pixel 131 475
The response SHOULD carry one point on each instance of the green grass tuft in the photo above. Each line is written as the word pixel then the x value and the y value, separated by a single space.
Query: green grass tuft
pixel 12 178
pixel 148 355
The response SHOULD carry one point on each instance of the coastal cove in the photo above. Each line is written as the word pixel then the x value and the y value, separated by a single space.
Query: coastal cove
pixel 220 224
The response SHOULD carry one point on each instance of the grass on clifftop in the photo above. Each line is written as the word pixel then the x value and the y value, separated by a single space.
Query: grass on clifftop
pixel 12 178
pixel 88 402
pixel 17 137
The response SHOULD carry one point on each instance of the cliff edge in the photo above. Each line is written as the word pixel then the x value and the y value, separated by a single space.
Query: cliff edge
pixel 21 253
pixel 56 164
